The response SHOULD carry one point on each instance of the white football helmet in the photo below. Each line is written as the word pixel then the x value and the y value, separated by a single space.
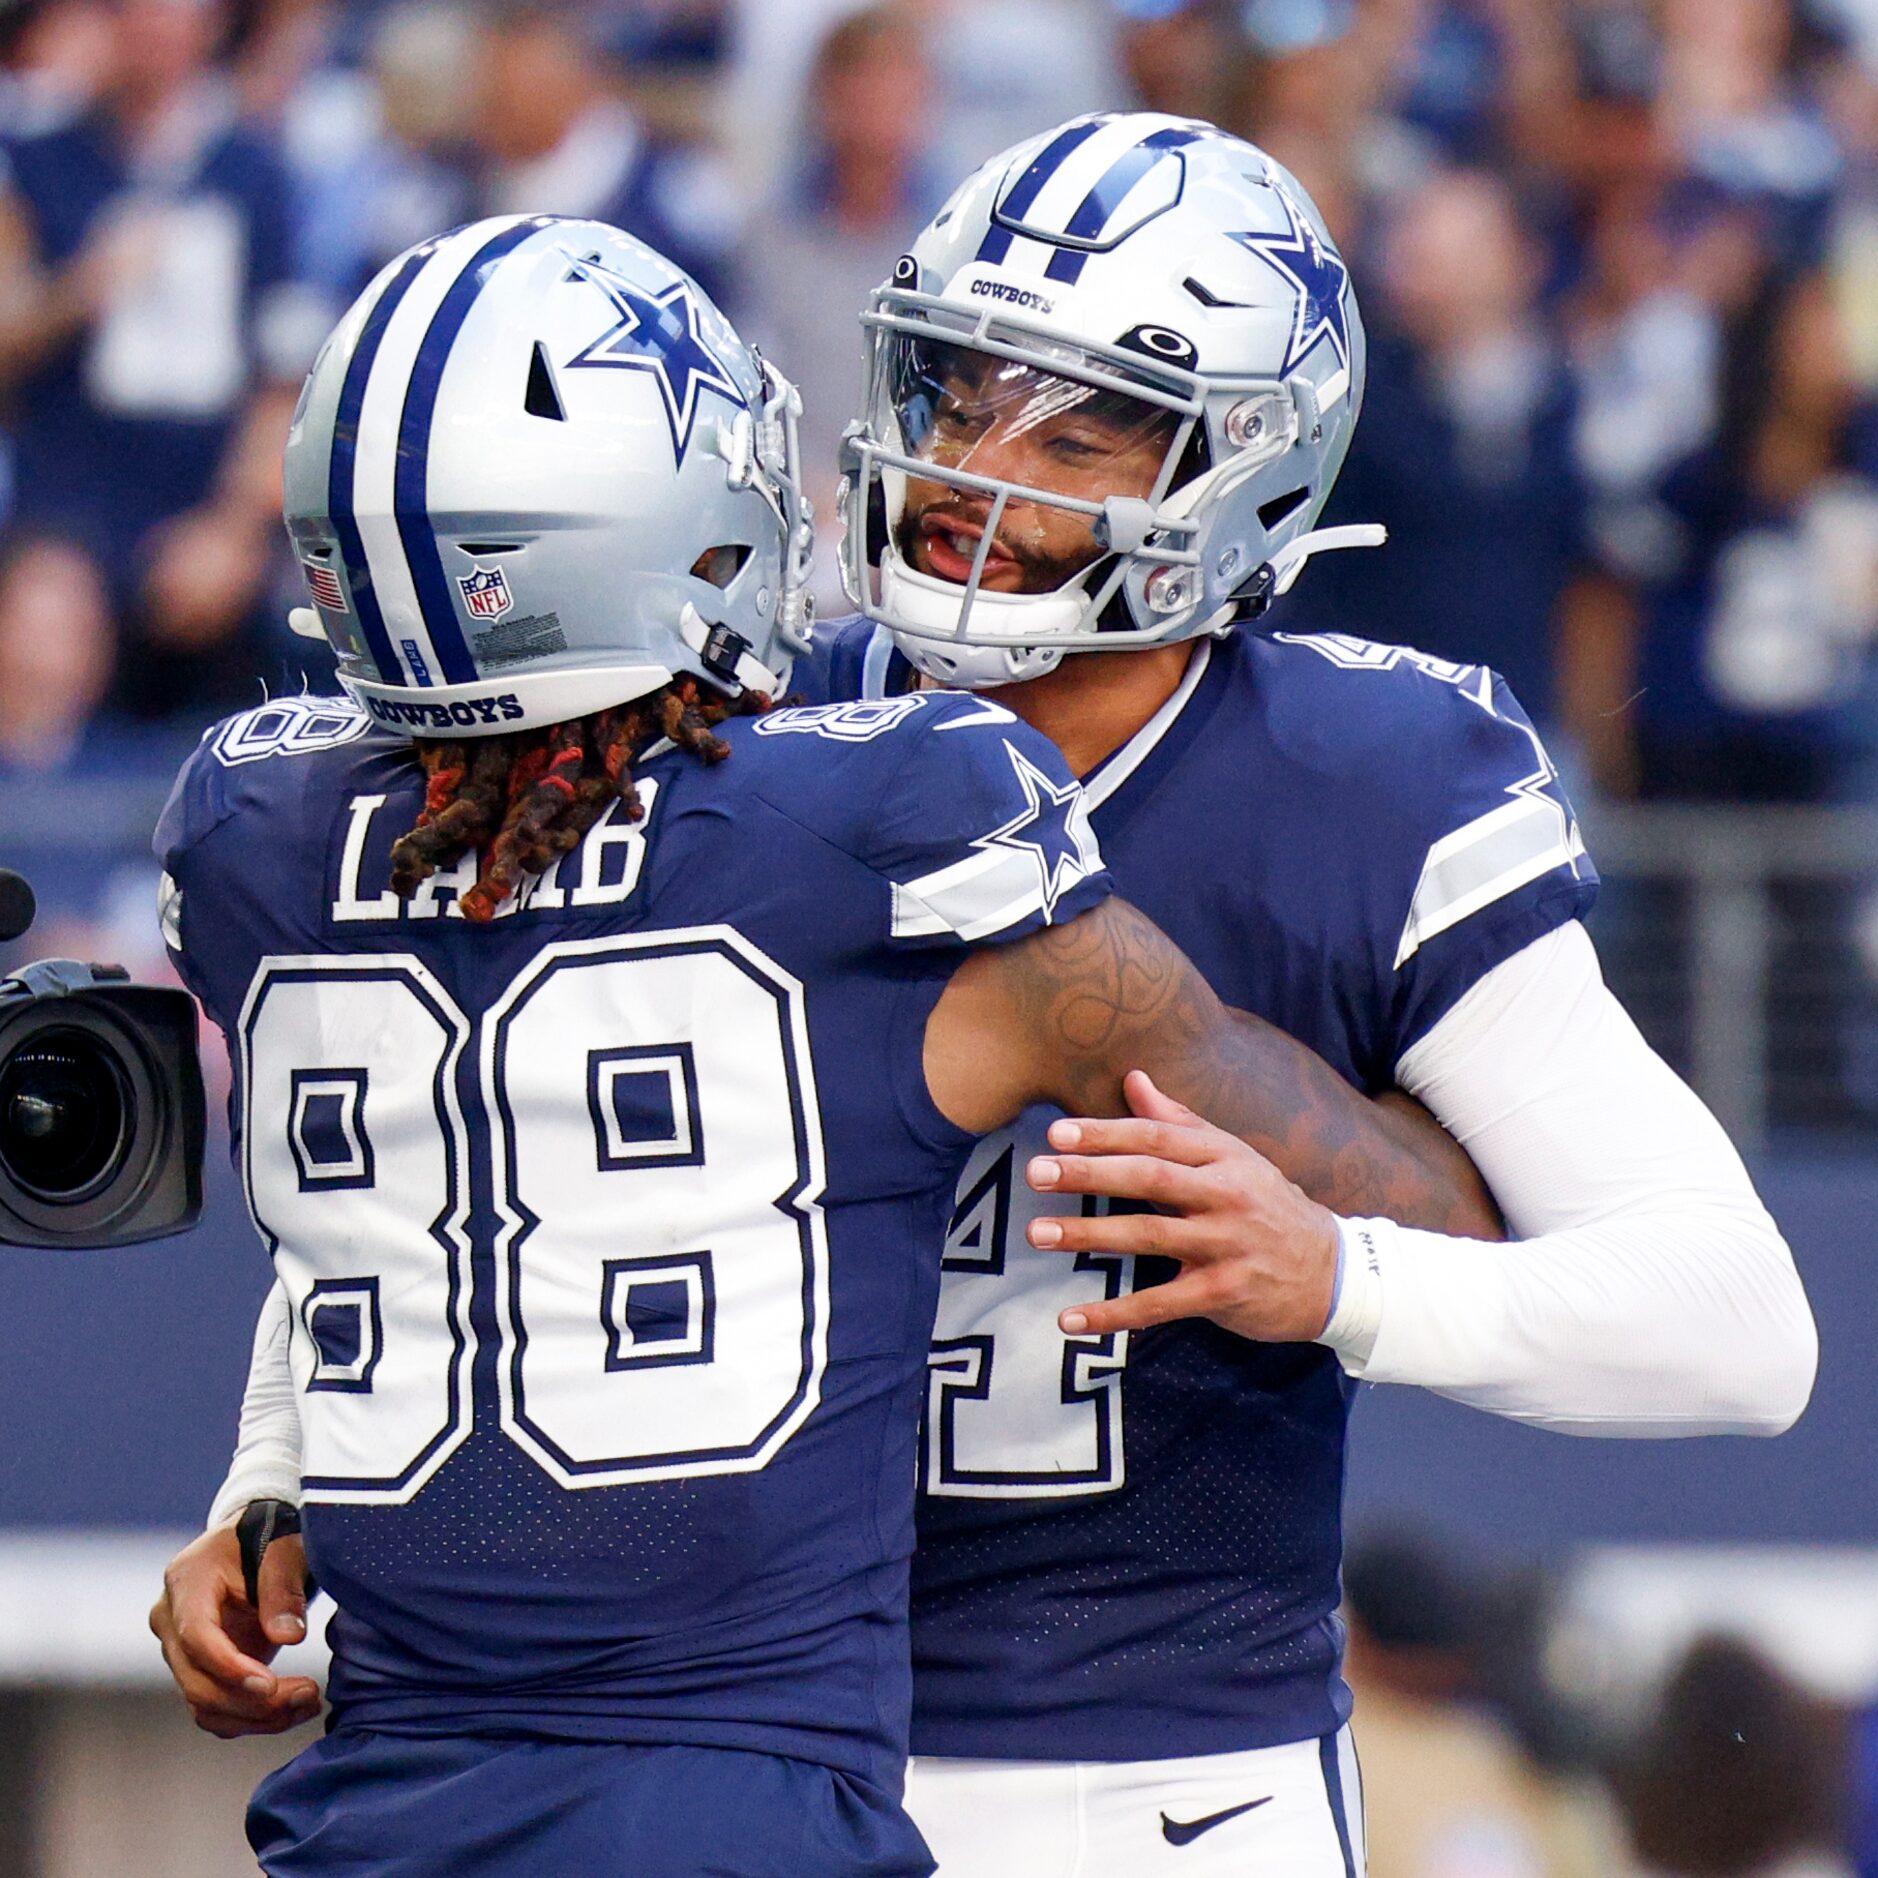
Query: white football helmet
pixel 535 473
pixel 1121 368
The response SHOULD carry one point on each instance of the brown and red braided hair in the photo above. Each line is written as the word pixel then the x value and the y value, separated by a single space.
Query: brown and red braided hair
pixel 524 800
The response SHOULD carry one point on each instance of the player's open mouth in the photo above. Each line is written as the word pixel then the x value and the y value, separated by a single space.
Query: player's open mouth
pixel 948 546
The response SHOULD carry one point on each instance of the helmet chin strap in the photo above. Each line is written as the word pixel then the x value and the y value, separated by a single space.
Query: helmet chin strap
pixel 920 601
pixel 932 605
pixel 726 654
pixel 1288 563
pixel 978 668
pixel 925 611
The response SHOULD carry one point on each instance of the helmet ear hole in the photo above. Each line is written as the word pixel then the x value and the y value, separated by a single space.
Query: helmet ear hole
pixel 543 397
pixel 1282 508
pixel 722 564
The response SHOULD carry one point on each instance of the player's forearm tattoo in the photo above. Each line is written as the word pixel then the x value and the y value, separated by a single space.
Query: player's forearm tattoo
pixel 1107 977
pixel 1109 992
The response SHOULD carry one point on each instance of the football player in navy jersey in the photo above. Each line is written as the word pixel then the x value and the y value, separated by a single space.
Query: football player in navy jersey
pixel 1108 390
pixel 606 1052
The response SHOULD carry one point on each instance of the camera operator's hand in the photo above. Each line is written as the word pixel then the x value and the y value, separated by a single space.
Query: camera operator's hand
pixel 218 1646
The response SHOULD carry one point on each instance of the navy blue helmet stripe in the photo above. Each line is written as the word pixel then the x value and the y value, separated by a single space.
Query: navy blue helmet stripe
pixel 1110 190
pixel 997 242
pixel 410 499
pixel 344 461
pixel 1112 186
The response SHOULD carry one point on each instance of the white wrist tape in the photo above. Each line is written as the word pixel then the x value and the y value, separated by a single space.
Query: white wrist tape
pixel 1356 1312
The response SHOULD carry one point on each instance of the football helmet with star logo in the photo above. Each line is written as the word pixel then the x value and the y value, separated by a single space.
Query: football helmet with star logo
pixel 1108 391
pixel 535 473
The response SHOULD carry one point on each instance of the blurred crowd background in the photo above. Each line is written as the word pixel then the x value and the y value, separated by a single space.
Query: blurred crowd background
pixel 1619 265
pixel 1619 260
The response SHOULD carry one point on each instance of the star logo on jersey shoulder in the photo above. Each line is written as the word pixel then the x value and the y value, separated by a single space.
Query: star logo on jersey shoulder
pixel 658 333
pixel 1052 828
pixel 1318 274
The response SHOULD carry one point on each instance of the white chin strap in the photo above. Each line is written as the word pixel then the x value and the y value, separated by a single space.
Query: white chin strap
pixel 932 606
pixel 977 668
pixel 928 609
pixel 1288 563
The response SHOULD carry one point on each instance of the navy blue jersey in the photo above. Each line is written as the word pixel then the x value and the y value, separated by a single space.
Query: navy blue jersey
pixel 1129 1546
pixel 610 1230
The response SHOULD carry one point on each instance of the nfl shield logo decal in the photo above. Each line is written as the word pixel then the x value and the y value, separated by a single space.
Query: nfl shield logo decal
pixel 486 593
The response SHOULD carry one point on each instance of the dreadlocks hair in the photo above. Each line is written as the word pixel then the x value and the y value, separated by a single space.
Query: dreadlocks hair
pixel 523 801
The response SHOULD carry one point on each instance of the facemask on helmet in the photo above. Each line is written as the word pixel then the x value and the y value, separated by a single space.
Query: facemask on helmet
pixel 535 473
pixel 1108 392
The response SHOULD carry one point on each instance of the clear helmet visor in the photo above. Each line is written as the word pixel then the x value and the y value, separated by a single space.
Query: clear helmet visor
pixel 1006 465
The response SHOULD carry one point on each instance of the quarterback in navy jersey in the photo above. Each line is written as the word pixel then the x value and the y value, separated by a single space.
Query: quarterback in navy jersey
pixel 1108 390
pixel 1198 1471
pixel 605 1057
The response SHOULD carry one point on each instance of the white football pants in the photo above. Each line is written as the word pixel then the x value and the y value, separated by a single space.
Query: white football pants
pixel 1294 1812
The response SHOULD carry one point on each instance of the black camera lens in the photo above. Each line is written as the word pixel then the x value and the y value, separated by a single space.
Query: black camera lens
pixel 65 1110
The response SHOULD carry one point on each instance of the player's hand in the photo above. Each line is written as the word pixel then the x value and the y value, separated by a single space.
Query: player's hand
pixel 1257 1256
pixel 218 1646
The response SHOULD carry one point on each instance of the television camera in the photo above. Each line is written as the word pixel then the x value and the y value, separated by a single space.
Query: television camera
pixel 101 1105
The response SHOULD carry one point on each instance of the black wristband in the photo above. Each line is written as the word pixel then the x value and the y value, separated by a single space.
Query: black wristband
pixel 260 1524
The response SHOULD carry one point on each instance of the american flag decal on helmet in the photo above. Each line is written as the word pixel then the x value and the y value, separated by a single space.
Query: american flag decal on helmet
pixel 324 586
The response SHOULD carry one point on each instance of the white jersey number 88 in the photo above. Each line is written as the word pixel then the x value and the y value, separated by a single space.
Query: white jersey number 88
pixel 653 1154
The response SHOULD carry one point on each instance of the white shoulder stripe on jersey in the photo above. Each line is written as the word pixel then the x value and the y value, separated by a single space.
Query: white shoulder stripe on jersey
pixel 375 467
pixel 1492 856
pixel 975 898
pixel 170 912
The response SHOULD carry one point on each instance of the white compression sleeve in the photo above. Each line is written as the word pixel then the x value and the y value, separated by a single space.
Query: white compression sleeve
pixel 267 1451
pixel 1649 1292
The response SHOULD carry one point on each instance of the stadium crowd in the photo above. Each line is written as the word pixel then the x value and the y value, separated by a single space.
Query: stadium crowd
pixel 1619 259
pixel 1489 1751
pixel 1619 265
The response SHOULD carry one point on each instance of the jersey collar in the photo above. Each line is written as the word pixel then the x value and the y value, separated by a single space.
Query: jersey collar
pixel 1116 768
pixel 884 672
